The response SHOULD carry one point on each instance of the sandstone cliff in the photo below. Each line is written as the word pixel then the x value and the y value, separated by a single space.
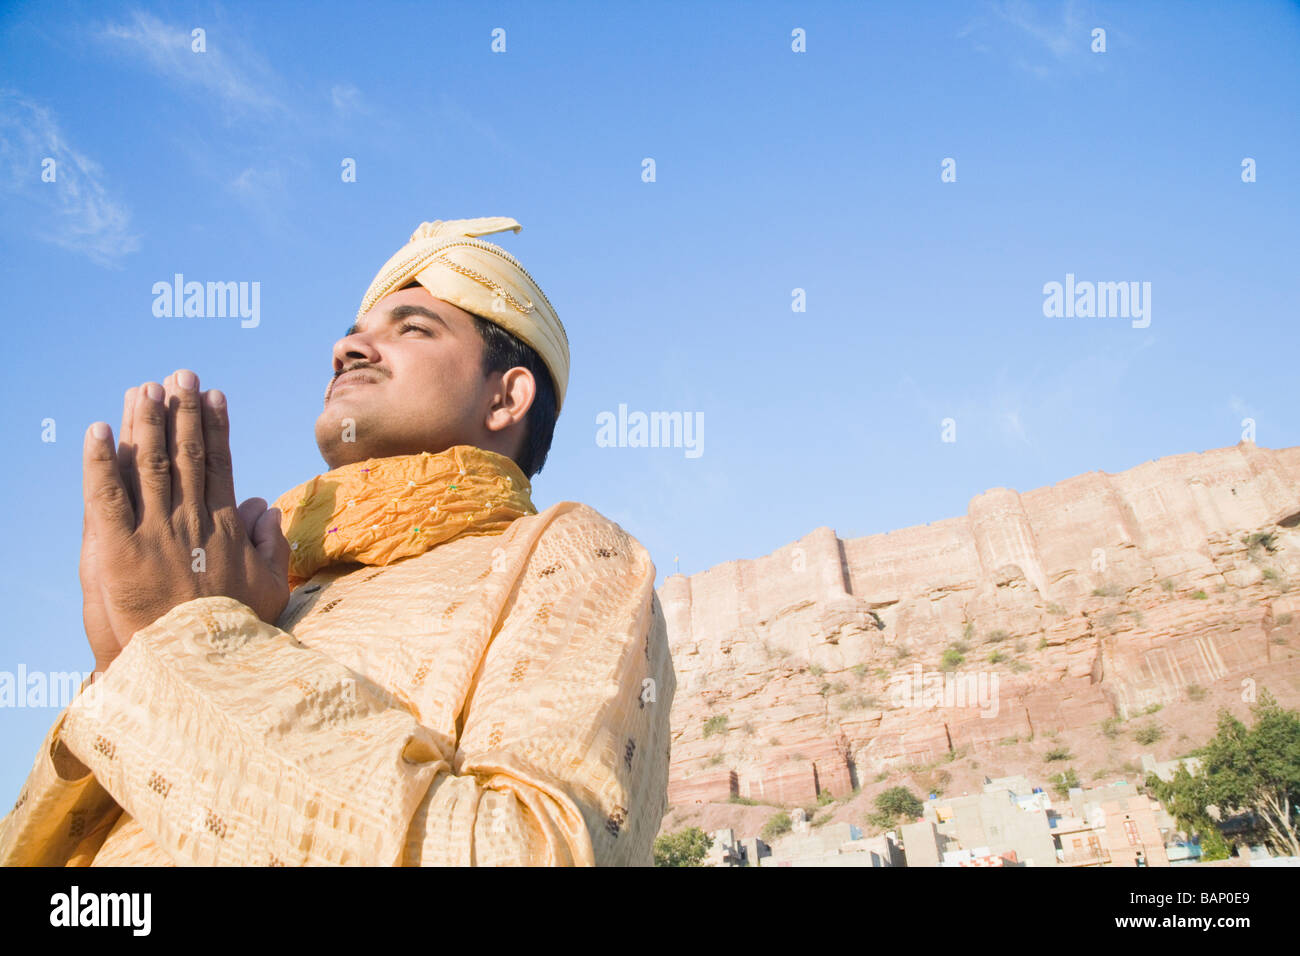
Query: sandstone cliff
pixel 1105 616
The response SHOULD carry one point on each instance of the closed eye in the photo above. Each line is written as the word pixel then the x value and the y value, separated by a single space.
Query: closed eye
pixel 406 326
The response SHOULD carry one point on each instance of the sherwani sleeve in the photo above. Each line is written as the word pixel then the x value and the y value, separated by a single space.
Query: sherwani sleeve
pixel 230 742
pixel 62 813
pixel 563 756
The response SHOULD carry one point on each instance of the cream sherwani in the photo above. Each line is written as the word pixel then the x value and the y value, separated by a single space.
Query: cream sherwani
pixel 500 699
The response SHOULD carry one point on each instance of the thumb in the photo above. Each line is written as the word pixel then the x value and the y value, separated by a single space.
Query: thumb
pixel 249 511
pixel 270 542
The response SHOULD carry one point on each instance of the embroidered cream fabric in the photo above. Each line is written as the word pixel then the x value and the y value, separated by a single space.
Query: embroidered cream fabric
pixel 496 700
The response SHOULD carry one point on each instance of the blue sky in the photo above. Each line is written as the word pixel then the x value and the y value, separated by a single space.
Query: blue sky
pixel 775 170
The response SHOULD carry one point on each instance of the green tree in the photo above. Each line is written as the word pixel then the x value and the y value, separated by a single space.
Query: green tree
pixel 1254 769
pixel 1213 845
pixel 1258 769
pixel 1186 798
pixel 899 802
pixel 683 848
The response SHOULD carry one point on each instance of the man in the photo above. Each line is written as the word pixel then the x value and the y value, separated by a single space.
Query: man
pixel 454 679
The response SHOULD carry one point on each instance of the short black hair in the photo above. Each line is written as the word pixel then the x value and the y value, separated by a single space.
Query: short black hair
pixel 503 351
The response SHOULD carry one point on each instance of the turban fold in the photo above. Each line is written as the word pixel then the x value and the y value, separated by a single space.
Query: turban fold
pixel 447 259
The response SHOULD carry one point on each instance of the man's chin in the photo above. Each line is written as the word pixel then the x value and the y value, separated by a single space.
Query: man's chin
pixel 336 438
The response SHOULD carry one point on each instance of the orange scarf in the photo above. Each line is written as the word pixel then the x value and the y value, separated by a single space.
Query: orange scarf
pixel 384 509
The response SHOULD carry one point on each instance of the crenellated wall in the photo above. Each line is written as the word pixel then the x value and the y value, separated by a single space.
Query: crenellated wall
pixel 1098 596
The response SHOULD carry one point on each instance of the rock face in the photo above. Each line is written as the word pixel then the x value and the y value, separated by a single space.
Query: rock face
pixel 822 666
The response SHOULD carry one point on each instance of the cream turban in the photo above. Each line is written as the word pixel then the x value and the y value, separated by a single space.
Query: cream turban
pixel 481 278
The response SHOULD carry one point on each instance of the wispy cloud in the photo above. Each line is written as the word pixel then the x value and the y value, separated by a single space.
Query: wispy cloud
pixel 1043 37
pixel 255 184
pixel 260 189
pixel 347 100
pixel 1059 35
pixel 77 212
pixel 234 77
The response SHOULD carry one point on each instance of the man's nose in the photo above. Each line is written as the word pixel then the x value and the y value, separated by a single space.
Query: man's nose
pixel 353 348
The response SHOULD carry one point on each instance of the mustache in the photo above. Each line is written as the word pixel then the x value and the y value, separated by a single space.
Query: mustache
pixel 357 367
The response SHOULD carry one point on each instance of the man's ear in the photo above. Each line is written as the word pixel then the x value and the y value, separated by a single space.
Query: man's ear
pixel 516 394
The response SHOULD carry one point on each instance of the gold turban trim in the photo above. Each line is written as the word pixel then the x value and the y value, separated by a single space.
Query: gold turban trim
pixel 481 278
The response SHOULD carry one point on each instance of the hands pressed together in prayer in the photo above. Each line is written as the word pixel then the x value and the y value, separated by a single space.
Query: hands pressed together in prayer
pixel 161 525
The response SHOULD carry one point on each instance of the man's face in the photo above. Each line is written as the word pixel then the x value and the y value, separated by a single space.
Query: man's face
pixel 419 385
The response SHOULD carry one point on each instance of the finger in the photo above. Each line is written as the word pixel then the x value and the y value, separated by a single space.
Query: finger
pixel 219 478
pixel 152 463
pixel 271 544
pixel 185 441
pixel 249 512
pixel 108 510
pixel 125 448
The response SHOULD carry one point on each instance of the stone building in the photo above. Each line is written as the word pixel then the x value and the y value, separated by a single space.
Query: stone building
pixel 836 844
pixel 1009 816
